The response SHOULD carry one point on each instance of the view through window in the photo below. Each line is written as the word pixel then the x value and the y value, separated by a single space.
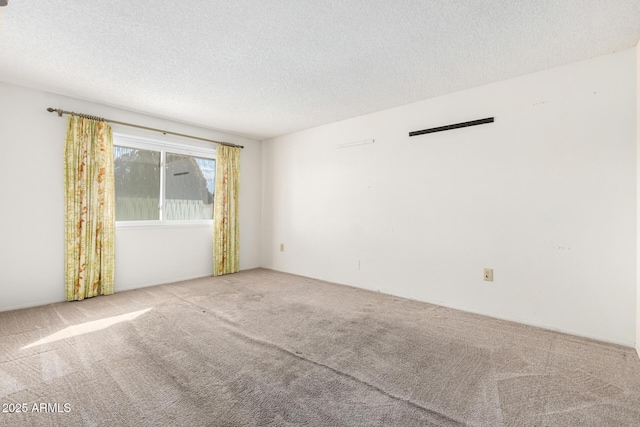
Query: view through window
pixel 158 182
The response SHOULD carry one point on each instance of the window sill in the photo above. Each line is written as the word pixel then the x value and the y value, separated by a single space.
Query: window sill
pixel 126 225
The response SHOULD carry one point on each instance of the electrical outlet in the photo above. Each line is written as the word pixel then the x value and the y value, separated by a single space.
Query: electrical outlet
pixel 488 274
pixel 281 247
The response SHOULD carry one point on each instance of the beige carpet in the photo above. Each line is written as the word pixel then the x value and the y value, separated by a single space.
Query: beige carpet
pixel 267 348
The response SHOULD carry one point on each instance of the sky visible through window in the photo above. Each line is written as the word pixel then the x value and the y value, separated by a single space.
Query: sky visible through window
pixel 208 168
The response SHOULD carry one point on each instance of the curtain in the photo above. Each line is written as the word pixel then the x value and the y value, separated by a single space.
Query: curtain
pixel 226 230
pixel 90 209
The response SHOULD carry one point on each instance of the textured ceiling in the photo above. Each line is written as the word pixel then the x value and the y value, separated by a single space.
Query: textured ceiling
pixel 263 68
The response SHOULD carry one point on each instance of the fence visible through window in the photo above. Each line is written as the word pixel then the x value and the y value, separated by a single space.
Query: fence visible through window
pixel 182 190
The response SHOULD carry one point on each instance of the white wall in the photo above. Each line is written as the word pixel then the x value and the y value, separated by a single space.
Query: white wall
pixel 546 196
pixel 32 214
pixel 638 189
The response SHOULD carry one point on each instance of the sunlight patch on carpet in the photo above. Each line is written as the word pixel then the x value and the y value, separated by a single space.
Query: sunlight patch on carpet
pixel 87 327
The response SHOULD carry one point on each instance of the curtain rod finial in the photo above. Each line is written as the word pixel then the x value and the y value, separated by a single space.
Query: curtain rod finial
pixel 51 110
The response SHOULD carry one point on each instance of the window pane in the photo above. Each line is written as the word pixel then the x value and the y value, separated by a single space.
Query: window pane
pixel 190 183
pixel 137 174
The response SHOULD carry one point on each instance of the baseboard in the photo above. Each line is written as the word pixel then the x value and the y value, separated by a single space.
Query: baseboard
pixel 541 326
pixel 163 282
pixel 31 305
pixel 117 289
pixel 627 344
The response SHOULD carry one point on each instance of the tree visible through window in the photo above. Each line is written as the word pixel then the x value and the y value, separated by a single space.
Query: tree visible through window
pixel 137 174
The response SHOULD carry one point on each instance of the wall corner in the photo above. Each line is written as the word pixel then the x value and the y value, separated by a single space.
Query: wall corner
pixel 638 198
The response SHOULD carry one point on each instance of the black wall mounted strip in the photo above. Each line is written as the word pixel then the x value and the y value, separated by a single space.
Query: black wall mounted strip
pixel 454 126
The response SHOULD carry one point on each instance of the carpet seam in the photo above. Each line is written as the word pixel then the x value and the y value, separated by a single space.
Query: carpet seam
pixel 231 328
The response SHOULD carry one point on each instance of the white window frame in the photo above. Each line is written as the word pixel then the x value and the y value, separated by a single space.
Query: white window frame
pixel 164 147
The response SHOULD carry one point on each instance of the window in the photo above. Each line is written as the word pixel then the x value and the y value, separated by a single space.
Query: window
pixel 159 183
pixel 137 173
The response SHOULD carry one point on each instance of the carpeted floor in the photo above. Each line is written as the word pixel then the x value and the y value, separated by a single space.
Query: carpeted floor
pixel 266 348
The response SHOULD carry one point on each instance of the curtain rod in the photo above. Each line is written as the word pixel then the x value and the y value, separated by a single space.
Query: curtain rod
pixel 101 119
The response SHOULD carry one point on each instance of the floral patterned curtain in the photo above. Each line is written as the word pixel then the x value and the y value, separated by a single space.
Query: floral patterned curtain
pixel 226 230
pixel 90 209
